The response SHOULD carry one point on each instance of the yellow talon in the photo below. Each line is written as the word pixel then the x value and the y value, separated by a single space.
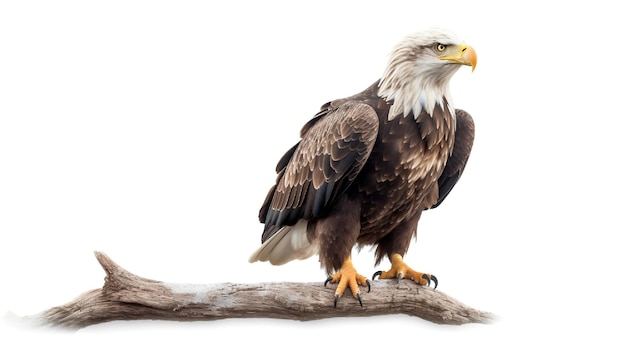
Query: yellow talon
pixel 347 276
pixel 401 270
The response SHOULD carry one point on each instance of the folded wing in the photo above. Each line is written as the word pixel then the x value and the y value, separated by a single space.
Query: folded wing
pixel 334 147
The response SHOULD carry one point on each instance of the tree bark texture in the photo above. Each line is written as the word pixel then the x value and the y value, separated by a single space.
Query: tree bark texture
pixel 126 296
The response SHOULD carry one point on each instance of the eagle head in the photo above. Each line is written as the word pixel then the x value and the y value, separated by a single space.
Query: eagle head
pixel 419 69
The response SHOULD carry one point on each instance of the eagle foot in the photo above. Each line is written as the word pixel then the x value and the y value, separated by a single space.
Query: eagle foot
pixel 347 277
pixel 401 270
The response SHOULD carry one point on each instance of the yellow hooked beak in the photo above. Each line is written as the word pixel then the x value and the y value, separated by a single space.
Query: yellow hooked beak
pixel 465 56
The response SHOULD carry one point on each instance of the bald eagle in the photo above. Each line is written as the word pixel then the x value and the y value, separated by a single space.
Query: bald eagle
pixel 368 165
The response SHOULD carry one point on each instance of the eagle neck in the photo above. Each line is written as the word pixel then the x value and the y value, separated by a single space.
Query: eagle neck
pixel 413 97
pixel 415 88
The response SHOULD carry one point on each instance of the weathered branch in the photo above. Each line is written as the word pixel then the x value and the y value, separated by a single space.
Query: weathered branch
pixel 126 296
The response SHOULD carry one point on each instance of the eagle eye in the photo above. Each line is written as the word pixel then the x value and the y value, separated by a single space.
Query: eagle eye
pixel 440 47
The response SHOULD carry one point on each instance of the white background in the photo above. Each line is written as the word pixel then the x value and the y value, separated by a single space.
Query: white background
pixel 150 130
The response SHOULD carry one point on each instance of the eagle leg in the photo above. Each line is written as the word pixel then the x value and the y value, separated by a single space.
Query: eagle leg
pixel 401 270
pixel 347 277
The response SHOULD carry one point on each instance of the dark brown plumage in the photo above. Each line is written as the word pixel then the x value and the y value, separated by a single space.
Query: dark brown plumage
pixel 368 165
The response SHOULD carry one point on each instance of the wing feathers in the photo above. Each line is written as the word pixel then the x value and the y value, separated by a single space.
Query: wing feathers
pixel 463 141
pixel 333 150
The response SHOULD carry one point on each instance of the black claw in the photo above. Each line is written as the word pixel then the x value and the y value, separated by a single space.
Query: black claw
pixel 336 299
pixel 358 297
pixel 435 280
pixel 327 280
pixel 376 275
pixel 367 281
pixel 399 276
pixel 425 276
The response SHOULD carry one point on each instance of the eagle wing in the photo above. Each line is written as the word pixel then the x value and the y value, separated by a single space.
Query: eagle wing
pixel 335 145
pixel 463 141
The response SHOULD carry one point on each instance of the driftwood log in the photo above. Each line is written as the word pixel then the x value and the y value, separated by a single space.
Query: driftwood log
pixel 126 296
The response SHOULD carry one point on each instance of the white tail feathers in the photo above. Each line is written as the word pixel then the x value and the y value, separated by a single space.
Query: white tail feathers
pixel 288 243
